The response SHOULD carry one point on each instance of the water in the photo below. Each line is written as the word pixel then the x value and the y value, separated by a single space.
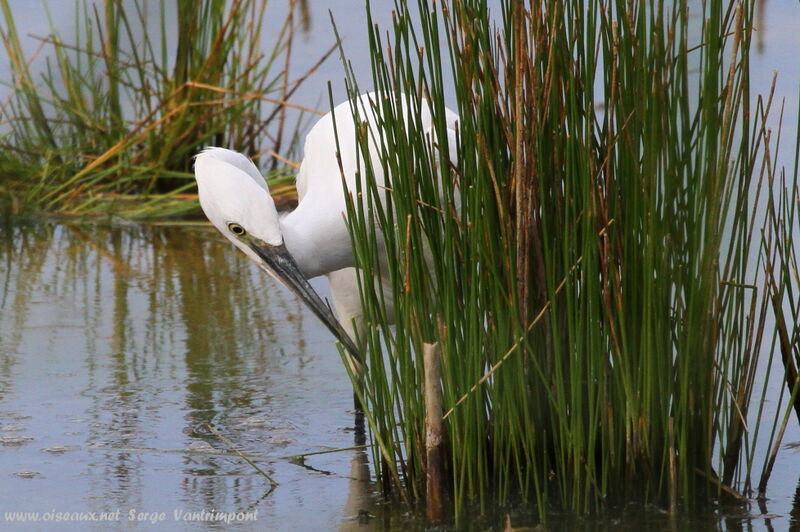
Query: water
pixel 120 344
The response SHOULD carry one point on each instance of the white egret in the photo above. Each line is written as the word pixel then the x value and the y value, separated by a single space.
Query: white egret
pixel 313 239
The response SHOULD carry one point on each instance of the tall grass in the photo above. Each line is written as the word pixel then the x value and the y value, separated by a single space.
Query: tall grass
pixel 591 264
pixel 123 108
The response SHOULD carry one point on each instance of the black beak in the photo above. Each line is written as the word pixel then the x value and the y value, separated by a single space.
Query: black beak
pixel 282 266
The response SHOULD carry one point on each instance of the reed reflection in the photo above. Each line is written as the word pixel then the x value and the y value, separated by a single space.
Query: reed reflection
pixel 152 325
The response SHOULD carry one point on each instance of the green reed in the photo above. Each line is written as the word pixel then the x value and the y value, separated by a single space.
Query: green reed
pixel 122 109
pixel 592 263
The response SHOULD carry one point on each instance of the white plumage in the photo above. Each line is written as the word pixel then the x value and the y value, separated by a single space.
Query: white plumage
pixel 313 239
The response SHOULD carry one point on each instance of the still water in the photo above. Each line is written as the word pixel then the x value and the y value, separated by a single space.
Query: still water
pixel 120 345
pixel 134 358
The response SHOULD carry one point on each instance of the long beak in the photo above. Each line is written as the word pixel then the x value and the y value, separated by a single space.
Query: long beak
pixel 279 263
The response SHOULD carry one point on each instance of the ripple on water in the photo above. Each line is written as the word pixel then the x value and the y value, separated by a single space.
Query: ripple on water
pixel 61 449
pixel 15 440
pixel 27 474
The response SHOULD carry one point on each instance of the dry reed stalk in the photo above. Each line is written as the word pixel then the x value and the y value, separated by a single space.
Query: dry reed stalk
pixel 434 435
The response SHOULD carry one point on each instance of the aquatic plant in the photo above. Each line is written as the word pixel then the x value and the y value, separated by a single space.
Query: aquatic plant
pixel 116 116
pixel 594 266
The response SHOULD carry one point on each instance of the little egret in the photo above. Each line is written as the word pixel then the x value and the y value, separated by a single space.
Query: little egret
pixel 313 239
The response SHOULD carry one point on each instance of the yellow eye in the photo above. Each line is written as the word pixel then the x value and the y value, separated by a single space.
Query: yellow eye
pixel 236 229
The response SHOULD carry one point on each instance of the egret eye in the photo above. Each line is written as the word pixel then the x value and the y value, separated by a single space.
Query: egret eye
pixel 237 229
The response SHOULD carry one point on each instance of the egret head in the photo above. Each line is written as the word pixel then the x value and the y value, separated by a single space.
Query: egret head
pixel 236 199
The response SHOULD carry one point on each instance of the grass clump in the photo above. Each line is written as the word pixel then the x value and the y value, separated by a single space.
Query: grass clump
pixel 592 265
pixel 122 110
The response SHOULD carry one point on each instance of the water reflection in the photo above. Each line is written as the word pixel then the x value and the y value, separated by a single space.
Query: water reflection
pixel 120 344
pixel 794 520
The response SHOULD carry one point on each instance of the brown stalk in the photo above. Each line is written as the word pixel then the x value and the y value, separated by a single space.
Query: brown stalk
pixel 434 434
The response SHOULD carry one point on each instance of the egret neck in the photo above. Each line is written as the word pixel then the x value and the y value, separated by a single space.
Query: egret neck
pixel 318 241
